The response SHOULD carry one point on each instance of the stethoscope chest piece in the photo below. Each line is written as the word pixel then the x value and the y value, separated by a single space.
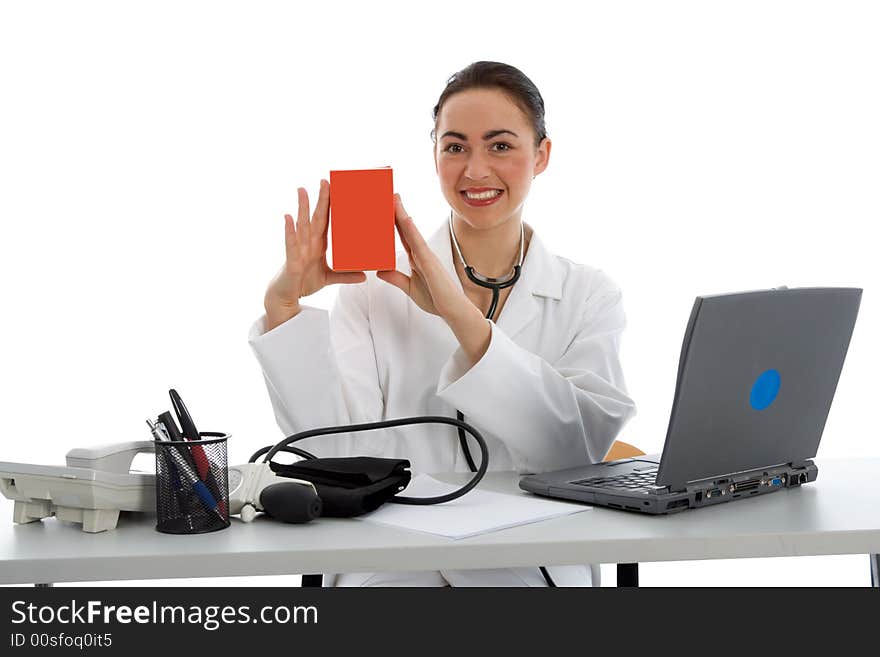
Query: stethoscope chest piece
pixel 494 284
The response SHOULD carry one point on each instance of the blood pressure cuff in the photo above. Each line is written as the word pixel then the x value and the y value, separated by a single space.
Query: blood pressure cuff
pixel 350 486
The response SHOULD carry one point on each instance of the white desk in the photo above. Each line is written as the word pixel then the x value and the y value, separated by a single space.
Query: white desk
pixel 837 514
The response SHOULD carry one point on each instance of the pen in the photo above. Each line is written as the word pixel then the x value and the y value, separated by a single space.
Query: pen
pixel 187 472
pixel 160 436
pixel 189 432
pixel 188 428
pixel 179 493
pixel 170 426
pixel 174 434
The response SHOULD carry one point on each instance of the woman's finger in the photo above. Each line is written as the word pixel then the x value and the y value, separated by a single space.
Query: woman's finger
pixel 289 236
pixel 290 233
pixel 334 277
pixel 406 247
pixel 404 225
pixel 416 246
pixel 302 217
pixel 320 219
pixel 409 253
pixel 319 222
pixel 395 278
pixel 410 232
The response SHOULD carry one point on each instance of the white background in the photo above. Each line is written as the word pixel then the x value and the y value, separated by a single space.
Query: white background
pixel 148 152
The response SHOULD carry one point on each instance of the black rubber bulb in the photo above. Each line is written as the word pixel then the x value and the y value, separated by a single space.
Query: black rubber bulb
pixel 290 502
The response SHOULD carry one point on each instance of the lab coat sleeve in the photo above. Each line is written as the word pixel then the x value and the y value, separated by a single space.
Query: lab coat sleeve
pixel 320 370
pixel 550 416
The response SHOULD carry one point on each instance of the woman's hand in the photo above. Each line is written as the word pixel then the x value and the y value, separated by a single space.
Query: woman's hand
pixel 430 286
pixel 434 290
pixel 305 269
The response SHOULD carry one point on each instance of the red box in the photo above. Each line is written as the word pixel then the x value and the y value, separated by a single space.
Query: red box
pixel 362 219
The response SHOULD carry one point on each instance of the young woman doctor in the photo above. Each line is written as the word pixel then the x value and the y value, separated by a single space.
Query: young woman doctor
pixel 541 379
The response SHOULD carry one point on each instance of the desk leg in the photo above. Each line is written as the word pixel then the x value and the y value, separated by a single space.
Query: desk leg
pixel 875 570
pixel 316 581
pixel 628 574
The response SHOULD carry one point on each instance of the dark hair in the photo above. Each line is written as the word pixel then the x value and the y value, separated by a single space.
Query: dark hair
pixel 506 78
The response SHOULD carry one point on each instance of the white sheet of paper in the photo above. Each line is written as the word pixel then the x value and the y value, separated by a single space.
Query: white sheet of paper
pixel 476 512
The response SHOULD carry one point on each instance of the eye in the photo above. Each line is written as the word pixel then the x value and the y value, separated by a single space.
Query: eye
pixel 507 146
pixel 449 148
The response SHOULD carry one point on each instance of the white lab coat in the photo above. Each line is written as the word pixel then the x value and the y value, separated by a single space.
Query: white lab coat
pixel 548 393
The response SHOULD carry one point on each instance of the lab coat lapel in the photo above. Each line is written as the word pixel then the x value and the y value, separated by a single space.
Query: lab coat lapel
pixel 541 276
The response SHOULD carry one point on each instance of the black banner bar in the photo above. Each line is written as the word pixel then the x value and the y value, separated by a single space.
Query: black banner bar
pixel 70 620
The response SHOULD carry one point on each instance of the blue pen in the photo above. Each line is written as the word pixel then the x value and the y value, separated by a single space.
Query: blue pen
pixel 188 474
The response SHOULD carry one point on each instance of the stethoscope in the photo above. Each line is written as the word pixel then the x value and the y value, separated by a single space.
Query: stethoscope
pixel 496 285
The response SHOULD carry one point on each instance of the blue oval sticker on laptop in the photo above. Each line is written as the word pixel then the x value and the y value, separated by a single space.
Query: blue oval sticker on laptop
pixel 765 389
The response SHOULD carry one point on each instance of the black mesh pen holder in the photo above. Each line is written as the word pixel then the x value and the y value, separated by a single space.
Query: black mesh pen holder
pixel 192 484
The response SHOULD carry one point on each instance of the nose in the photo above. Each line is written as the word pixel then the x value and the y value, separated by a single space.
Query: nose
pixel 477 167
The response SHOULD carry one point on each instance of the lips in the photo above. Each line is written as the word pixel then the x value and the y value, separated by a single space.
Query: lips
pixel 482 202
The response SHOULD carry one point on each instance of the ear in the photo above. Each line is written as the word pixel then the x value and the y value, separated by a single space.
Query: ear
pixel 543 155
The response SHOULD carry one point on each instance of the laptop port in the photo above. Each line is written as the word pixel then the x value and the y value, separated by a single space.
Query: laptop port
pixel 698 497
pixel 742 486
pixel 677 503
pixel 802 478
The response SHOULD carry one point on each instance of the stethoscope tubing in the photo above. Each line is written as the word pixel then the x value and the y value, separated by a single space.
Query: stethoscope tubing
pixel 495 285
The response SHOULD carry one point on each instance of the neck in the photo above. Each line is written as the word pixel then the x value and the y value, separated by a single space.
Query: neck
pixel 491 251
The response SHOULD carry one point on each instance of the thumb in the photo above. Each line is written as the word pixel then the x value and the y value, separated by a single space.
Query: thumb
pixel 395 278
pixel 334 277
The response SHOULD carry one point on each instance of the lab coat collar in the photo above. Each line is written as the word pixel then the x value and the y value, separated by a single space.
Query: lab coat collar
pixel 541 275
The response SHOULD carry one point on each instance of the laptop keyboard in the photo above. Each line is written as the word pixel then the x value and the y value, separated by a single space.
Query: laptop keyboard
pixel 643 481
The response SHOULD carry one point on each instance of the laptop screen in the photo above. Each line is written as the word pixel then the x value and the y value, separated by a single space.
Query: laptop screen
pixel 757 375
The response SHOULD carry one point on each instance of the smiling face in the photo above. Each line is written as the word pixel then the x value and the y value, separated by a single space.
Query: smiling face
pixel 486 157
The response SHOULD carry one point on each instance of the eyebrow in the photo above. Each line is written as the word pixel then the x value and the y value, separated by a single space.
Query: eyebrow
pixel 489 135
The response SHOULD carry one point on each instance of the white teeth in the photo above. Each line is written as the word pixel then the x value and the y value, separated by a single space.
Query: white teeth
pixel 483 195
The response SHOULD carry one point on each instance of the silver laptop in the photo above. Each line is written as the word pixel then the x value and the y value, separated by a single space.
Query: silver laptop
pixel 756 377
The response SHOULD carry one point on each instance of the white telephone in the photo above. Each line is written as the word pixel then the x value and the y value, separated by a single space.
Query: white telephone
pixel 94 486
pixel 97 483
